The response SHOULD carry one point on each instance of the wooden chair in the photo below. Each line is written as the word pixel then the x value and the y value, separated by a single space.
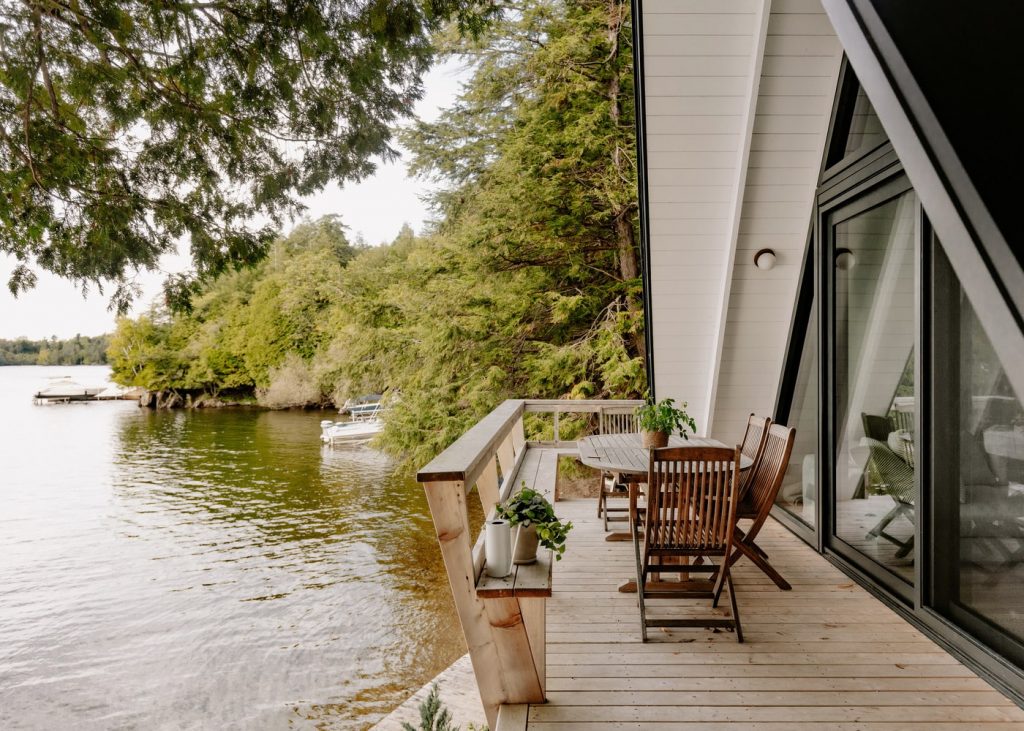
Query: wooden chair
pixel 754 439
pixel 762 488
pixel 614 420
pixel 691 513
pixel 896 479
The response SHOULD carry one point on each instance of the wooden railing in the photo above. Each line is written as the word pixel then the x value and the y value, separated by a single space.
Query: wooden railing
pixel 504 630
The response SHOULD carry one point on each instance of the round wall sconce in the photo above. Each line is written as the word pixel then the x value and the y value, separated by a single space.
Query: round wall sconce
pixel 764 259
pixel 845 260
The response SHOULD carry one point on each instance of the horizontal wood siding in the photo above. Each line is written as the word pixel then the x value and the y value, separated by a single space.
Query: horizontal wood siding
pixel 799 73
pixel 697 60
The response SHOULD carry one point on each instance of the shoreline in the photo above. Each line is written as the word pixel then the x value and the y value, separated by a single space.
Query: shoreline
pixel 459 695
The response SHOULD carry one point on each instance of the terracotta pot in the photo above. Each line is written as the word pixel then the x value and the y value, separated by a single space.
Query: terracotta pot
pixel 526 543
pixel 654 439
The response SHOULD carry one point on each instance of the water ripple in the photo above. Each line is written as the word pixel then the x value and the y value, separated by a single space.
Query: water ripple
pixel 207 570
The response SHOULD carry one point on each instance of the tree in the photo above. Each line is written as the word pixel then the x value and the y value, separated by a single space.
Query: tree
pixel 527 284
pixel 539 158
pixel 243 326
pixel 128 124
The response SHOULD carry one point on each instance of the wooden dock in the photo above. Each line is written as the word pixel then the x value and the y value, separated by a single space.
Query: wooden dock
pixel 826 656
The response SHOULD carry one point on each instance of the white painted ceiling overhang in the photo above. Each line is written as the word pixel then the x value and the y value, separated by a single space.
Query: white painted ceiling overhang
pixel 738 96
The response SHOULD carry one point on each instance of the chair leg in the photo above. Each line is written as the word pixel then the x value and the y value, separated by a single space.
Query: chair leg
pixel 640 580
pixel 906 548
pixel 745 549
pixel 720 577
pixel 735 606
pixel 739 536
pixel 884 522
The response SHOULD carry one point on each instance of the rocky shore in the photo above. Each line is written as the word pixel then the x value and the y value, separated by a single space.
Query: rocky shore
pixel 172 399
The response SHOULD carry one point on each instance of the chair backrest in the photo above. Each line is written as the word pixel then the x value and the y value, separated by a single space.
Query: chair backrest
pixel 894 471
pixel 766 476
pixel 876 427
pixel 691 501
pixel 902 420
pixel 618 420
pixel 754 439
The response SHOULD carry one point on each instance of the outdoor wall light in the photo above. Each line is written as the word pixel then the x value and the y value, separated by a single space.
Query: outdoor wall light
pixel 764 259
pixel 845 260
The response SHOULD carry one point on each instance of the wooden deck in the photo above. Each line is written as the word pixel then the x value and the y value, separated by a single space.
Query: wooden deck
pixel 825 656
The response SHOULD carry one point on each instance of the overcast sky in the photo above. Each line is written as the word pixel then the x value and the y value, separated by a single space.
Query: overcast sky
pixel 375 208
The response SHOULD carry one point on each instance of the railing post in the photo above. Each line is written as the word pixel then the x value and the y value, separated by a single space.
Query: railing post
pixel 447 501
pixel 534 610
pixel 557 435
pixel 518 437
pixel 487 487
pixel 506 456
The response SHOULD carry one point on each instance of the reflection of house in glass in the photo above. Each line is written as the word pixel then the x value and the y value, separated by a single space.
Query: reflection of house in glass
pixel 864 145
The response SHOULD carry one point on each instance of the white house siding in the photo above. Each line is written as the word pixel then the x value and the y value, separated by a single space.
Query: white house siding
pixel 796 91
pixel 698 57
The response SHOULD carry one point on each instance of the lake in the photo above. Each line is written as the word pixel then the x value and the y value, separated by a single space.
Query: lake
pixel 206 569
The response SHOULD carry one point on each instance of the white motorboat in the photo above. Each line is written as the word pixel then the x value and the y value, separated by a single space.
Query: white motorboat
pixel 364 421
pixel 345 432
pixel 65 390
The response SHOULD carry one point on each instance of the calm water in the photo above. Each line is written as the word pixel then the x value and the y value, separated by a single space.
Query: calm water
pixel 213 569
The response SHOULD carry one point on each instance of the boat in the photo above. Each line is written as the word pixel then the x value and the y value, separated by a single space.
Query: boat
pixel 65 390
pixel 348 432
pixel 368 404
pixel 364 422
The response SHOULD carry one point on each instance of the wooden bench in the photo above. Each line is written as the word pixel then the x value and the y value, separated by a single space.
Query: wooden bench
pixel 539 470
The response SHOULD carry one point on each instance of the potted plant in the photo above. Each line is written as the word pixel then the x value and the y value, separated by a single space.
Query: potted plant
pixel 658 420
pixel 535 522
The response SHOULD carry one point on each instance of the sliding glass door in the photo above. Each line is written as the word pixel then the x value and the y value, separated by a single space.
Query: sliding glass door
pixel 870 243
pixel 908 399
pixel 979 472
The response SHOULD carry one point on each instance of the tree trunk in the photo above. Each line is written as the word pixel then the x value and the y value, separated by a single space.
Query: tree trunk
pixel 625 237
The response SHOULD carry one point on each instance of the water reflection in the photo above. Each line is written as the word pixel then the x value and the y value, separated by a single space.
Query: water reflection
pixel 224 569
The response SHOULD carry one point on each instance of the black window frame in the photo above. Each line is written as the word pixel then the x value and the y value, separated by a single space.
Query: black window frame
pixel 840 181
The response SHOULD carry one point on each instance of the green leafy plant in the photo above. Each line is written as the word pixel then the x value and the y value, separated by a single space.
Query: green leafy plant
pixel 528 507
pixel 663 416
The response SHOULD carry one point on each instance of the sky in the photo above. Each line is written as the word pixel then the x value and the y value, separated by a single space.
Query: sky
pixel 376 208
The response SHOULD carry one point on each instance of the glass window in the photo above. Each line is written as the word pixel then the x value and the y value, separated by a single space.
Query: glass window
pixel 866 131
pixel 799 487
pixel 874 332
pixel 857 129
pixel 984 483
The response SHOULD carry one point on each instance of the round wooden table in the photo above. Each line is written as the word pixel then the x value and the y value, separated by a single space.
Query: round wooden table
pixel 625 455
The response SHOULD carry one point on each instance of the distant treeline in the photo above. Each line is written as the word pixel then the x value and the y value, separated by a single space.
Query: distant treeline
pixel 79 350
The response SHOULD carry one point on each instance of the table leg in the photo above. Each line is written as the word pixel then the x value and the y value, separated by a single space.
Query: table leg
pixel 634 490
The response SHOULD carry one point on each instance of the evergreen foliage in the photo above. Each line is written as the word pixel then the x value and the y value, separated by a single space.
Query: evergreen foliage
pixel 126 125
pixel 79 350
pixel 527 286
pixel 246 326
pixel 433 714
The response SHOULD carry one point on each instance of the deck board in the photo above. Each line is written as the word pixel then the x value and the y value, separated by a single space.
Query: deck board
pixel 825 656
